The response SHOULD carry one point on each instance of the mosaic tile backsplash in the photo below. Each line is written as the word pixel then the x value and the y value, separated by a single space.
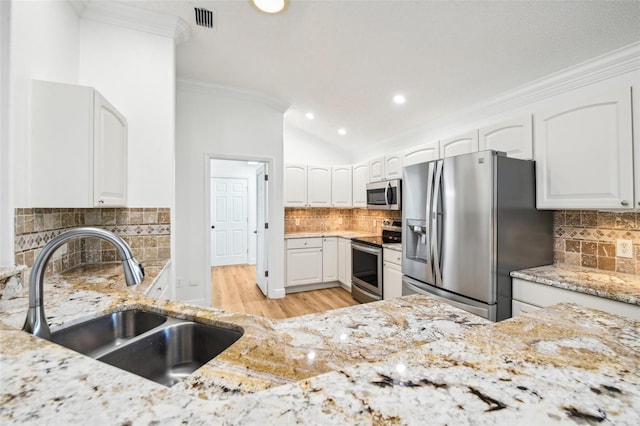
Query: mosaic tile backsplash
pixel 588 238
pixel 318 220
pixel 146 230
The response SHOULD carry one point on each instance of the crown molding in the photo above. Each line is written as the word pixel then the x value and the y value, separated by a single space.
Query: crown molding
pixel 229 92
pixel 615 63
pixel 124 15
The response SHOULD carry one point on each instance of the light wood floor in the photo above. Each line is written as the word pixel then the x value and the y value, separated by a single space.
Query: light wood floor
pixel 234 289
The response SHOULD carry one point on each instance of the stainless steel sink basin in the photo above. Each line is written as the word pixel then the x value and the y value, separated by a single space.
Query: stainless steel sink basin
pixel 158 347
pixel 174 352
pixel 97 336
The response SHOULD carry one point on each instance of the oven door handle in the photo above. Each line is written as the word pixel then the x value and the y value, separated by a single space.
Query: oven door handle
pixel 372 250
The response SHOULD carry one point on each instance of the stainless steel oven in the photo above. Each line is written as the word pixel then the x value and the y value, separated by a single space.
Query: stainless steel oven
pixel 385 195
pixel 366 262
pixel 366 278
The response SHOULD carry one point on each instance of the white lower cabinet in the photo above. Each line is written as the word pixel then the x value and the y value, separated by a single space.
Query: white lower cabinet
pixel 528 296
pixel 329 259
pixel 344 261
pixel 391 274
pixel 311 261
pixel 160 288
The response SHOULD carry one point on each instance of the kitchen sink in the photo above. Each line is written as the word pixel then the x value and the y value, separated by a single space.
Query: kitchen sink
pixel 97 336
pixel 169 355
pixel 154 346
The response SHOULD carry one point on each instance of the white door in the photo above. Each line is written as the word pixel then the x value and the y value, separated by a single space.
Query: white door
pixel 421 154
pixel 319 186
pixel 393 166
pixel 360 179
pixel 341 186
pixel 261 219
pixel 295 185
pixel 514 137
pixel 229 219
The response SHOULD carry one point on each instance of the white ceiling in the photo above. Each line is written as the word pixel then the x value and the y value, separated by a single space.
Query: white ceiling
pixel 344 60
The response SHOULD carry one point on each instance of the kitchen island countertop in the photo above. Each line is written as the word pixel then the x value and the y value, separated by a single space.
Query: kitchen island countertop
pixel 406 360
pixel 608 284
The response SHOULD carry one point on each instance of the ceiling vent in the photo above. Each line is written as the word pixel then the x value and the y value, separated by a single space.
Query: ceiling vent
pixel 204 17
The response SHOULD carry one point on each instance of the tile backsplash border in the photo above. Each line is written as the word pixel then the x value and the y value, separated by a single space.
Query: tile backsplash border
pixel 146 230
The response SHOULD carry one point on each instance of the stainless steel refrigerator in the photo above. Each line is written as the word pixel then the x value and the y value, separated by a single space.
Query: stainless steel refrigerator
pixel 468 221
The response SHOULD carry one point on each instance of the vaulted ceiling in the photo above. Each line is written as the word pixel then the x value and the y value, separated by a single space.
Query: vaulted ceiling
pixel 344 60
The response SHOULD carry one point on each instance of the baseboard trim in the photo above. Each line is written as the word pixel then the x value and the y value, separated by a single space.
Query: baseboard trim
pixel 308 287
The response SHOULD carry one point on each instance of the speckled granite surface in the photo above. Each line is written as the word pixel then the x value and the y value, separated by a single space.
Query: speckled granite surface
pixel 344 234
pixel 410 360
pixel 611 285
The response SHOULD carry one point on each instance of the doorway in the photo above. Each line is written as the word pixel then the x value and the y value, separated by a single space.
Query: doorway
pixel 238 220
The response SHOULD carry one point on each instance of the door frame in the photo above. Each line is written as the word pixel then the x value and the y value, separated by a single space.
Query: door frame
pixel 206 241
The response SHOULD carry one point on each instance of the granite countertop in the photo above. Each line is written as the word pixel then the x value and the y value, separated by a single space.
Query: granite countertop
pixel 343 234
pixel 611 285
pixel 393 246
pixel 409 360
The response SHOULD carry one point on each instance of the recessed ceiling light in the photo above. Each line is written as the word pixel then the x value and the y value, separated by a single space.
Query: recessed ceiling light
pixel 399 99
pixel 310 115
pixel 342 131
pixel 270 6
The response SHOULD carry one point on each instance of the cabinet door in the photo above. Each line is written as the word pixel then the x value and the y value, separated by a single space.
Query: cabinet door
pixel 319 186
pixel 110 155
pixel 360 179
pixel 330 259
pixel 342 272
pixel 304 266
pixel 341 186
pixel 376 170
pixel 514 137
pixel 346 259
pixel 392 280
pixel 393 166
pixel 295 185
pixel 583 151
pixel 462 144
pixel 421 154
pixel 518 308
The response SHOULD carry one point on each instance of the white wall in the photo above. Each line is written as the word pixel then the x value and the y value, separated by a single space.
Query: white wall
pixel 6 191
pixel 44 46
pixel 301 147
pixel 218 122
pixel 242 170
pixel 135 71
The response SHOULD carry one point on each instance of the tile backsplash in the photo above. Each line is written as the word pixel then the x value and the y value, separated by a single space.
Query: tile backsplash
pixel 318 220
pixel 146 230
pixel 588 238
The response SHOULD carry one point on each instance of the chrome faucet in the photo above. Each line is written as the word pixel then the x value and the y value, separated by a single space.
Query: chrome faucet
pixel 36 322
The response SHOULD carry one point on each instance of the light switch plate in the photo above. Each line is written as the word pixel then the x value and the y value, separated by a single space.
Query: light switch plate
pixel 624 248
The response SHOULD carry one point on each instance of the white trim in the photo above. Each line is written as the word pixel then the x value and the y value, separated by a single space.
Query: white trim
pixel 618 62
pixel 222 91
pixel 7 231
pixel 124 15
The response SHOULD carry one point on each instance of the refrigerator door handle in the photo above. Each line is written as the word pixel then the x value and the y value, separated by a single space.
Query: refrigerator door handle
pixel 430 177
pixel 435 229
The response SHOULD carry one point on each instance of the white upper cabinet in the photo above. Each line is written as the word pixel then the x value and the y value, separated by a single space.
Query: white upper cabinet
pixel 393 166
pixel 341 186
pixel 376 170
pixel 78 148
pixel 295 185
pixel 462 144
pixel 319 186
pixel 514 137
pixel 421 154
pixel 583 151
pixel 360 179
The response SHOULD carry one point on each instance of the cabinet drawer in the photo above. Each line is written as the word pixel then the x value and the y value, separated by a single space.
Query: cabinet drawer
pixel 296 243
pixel 392 256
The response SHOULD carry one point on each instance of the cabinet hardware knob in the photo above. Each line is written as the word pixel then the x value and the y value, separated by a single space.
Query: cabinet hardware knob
pixel 101 201
pixel 624 202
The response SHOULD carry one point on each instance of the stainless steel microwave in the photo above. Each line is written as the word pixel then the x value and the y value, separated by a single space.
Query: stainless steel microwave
pixel 385 195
